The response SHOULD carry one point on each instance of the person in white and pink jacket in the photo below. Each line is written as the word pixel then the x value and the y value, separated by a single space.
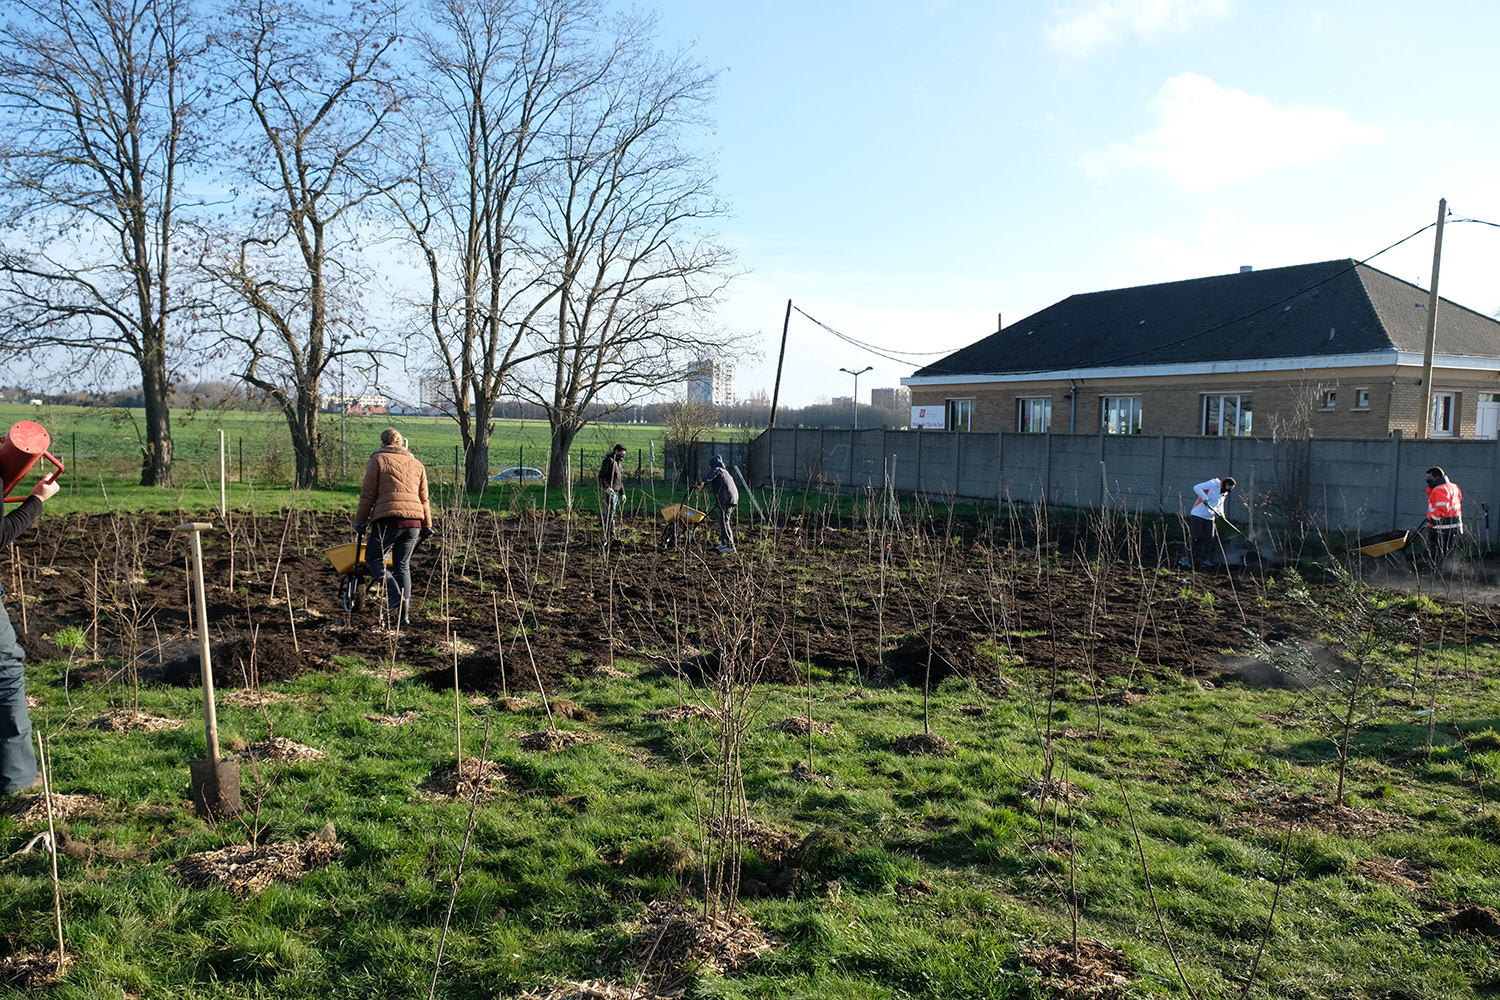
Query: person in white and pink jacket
pixel 1212 495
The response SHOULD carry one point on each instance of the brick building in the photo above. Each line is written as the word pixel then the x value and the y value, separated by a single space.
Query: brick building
pixel 1336 347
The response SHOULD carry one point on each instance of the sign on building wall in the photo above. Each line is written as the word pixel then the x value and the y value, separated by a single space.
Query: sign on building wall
pixel 930 417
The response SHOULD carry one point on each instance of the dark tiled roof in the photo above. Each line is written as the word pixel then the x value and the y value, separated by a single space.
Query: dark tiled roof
pixel 1337 307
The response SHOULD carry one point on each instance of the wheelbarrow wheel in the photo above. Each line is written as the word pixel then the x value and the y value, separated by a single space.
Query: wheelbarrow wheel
pixel 349 592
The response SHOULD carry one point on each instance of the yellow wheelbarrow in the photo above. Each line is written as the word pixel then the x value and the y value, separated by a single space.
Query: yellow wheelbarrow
pixel 349 562
pixel 678 515
pixel 1387 542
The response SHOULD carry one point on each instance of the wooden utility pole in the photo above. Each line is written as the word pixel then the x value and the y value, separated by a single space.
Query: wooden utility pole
pixel 1424 421
pixel 776 392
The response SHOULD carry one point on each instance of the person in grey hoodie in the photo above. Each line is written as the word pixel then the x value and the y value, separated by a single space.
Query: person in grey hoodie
pixel 726 499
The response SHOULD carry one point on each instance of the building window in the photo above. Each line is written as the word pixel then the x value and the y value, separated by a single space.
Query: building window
pixel 1227 416
pixel 960 414
pixel 1121 414
pixel 1444 414
pixel 1361 399
pixel 1035 415
pixel 1330 399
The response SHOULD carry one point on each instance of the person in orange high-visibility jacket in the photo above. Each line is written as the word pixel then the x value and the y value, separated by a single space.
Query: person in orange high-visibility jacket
pixel 1445 512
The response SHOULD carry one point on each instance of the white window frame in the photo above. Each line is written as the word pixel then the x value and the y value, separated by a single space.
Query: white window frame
pixel 1330 399
pixel 1443 420
pixel 1361 399
pixel 1026 408
pixel 960 415
pixel 1213 404
pixel 1120 414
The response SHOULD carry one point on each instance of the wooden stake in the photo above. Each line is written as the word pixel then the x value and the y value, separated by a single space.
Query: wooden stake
pixel 289 616
pixel 41 757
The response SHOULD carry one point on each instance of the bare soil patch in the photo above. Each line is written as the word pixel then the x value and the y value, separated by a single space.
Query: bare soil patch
pixel 1140 627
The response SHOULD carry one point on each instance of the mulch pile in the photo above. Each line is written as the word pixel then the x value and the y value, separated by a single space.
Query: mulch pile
pixel 1040 790
pixel 915 744
pixel 244 869
pixel 279 749
pixel 125 720
pixel 400 719
pixel 596 989
pixel 31 810
pixel 800 725
pixel 481 780
pixel 32 970
pixel 549 740
pixel 670 940
pixel 1095 970
pixel 681 713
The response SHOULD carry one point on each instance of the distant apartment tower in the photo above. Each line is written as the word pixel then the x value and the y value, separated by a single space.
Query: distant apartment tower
pixel 898 398
pixel 711 381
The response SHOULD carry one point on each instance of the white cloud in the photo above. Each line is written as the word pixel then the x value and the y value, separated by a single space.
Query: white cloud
pixel 1082 27
pixel 1206 135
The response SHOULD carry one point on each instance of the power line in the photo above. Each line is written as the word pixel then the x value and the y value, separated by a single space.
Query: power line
pixel 885 352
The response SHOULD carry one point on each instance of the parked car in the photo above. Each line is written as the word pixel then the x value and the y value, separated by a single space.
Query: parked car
pixel 519 474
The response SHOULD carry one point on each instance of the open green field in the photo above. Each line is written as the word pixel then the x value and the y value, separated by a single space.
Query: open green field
pixel 100 449
pixel 103 444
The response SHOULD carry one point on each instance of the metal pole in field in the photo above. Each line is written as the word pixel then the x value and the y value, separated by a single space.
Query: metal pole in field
pixel 223 489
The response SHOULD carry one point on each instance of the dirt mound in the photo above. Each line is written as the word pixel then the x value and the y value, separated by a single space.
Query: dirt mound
pixel 240 662
pixel 916 744
pixel 952 652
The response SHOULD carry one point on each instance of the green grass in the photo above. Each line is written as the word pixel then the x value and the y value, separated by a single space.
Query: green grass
pixel 922 884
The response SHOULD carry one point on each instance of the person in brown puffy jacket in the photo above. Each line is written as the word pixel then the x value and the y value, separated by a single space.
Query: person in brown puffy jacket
pixel 393 504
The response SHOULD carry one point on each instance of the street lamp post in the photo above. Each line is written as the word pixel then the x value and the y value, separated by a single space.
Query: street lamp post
pixel 856 375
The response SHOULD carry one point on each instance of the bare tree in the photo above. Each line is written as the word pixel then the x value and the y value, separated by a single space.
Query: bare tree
pixel 100 107
pixel 318 96
pixel 688 422
pixel 630 273
pixel 497 72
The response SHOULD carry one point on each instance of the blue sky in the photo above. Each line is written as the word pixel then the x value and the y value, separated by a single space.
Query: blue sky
pixel 905 171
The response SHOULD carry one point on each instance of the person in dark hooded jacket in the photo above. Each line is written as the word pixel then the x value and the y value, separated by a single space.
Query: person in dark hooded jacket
pixel 726 499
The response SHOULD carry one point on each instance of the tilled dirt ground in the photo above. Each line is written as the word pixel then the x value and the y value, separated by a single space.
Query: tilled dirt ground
pixel 513 603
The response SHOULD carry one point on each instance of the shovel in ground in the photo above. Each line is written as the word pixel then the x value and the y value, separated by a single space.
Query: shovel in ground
pixel 216 783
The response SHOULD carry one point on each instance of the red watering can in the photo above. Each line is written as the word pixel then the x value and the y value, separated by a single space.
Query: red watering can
pixel 19 451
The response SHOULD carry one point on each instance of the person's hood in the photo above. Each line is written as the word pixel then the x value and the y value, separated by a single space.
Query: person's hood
pixel 1434 481
pixel 717 463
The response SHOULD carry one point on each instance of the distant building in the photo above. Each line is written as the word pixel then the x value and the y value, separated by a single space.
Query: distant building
pixel 898 398
pixel 332 402
pixel 711 380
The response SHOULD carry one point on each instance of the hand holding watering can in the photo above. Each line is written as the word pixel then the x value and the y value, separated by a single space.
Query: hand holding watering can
pixel 19 451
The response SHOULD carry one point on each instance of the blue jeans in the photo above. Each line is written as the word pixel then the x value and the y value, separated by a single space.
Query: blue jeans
pixel 400 542
pixel 17 758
